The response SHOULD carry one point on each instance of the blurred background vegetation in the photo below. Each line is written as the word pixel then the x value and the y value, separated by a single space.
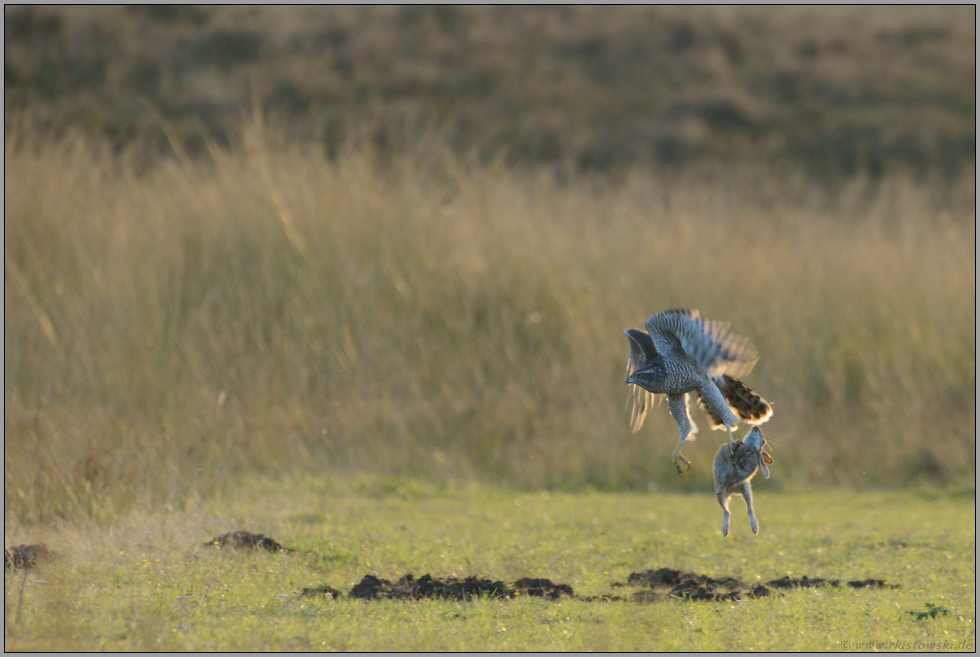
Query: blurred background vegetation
pixel 405 241
pixel 834 91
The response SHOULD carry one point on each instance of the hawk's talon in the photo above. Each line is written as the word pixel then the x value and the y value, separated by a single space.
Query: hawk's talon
pixel 678 459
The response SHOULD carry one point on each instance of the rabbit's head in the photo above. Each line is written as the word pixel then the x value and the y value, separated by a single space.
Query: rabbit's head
pixel 757 442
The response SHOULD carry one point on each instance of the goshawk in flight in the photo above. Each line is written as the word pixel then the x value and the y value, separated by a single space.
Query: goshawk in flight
pixel 681 352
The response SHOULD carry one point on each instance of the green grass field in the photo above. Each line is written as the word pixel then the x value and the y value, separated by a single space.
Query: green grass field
pixel 417 366
pixel 145 582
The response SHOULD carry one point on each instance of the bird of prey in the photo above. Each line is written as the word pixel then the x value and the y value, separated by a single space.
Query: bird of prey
pixel 681 352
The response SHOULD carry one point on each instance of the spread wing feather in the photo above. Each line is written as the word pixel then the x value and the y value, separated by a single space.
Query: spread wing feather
pixel 684 334
pixel 640 401
pixel 639 404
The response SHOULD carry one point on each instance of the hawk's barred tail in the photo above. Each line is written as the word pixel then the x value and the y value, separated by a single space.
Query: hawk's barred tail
pixel 748 405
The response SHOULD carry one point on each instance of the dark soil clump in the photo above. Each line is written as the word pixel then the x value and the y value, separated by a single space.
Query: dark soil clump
pixel 541 588
pixel 871 583
pixel 27 556
pixel 691 586
pixel 243 540
pixel 646 595
pixel 322 590
pixel 655 586
pixel 654 578
pixel 409 588
pixel 605 597
pixel 371 588
pixel 804 582
pixel 670 577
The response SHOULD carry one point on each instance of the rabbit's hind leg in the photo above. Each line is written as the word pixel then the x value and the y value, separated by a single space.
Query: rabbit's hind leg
pixel 747 495
pixel 723 501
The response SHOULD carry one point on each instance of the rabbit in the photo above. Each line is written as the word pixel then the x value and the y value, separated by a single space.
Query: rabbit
pixel 733 471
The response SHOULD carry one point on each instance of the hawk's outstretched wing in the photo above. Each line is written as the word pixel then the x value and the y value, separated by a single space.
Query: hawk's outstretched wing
pixel 639 404
pixel 640 401
pixel 684 334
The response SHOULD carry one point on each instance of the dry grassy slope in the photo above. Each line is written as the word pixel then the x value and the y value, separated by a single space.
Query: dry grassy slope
pixel 831 90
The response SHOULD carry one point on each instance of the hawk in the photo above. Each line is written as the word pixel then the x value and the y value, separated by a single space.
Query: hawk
pixel 681 352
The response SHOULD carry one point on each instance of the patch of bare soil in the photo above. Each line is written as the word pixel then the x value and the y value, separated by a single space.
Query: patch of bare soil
pixel 408 587
pixel 804 582
pixel 541 588
pixel 604 597
pixel 27 556
pixel 807 582
pixel 322 590
pixel 243 540
pixel 655 586
pixel 871 583
pixel 692 586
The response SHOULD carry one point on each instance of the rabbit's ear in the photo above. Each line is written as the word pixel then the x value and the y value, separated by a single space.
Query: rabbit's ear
pixel 763 459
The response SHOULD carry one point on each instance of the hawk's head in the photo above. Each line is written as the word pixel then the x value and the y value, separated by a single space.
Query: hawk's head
pixel 644 365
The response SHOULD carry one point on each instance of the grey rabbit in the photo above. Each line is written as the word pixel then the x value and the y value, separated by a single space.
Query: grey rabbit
pixel 733 470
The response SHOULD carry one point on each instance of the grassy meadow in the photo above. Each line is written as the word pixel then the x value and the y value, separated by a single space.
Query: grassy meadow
pixel 357 278
pixel 144 582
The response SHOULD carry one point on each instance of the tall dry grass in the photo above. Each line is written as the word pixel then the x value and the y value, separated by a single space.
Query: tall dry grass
pixel 270 311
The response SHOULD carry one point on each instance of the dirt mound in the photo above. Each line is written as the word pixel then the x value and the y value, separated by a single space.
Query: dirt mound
pixel 244 540
pixel 27 556
pixel 804 582
pixel 322 590
pixel 671 577
pixel 605 597
pixel 409 588
pixel 656 586
pixel 541 588
pixel 871 583
pixel 690 586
